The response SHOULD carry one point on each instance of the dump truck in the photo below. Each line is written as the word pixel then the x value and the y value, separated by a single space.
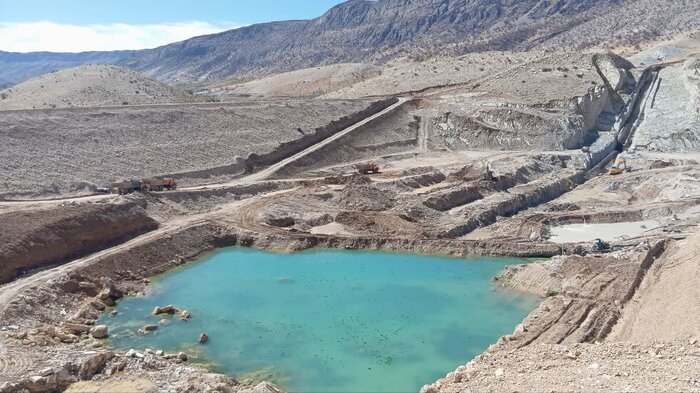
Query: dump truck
pixel 155 184
pixel 367 169
pixel 129 186
pixel 166 183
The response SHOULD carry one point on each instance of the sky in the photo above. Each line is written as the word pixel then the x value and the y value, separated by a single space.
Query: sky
pixel 84 25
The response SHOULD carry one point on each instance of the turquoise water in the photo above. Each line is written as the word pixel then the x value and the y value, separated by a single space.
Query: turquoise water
pixel 328 321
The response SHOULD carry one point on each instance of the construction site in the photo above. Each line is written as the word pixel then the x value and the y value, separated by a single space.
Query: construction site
pixel 587 162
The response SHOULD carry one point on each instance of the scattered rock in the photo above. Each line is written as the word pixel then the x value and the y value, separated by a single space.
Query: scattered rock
pixel 182 356
pixel 165 322
pixel 500 372
pixel 99 331
pixel 185 315
pixel 76 328
pixel 98 304
pixel 169 309
pixel 149 328
pixel 89 288
pixel 203 338
pixel 265 387
pixel 104 294
pixel 94 364
pixel 428 389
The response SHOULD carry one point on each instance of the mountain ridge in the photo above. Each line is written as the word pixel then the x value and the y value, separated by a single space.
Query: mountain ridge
pixel 361 31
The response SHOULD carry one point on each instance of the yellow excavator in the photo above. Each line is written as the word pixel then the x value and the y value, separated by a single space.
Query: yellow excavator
pixel 619 167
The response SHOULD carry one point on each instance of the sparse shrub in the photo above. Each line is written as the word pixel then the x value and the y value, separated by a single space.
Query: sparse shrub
pixel 546 69
pixel 3 95
pixel 125 103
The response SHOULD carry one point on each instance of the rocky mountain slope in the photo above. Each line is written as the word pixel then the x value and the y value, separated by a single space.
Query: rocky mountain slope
pixel 375 31
pixel 90 85
pixel 362 31
pixel 18 67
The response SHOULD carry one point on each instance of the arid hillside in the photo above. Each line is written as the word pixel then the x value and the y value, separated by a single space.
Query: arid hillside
pixel 90 85
pixel 308 82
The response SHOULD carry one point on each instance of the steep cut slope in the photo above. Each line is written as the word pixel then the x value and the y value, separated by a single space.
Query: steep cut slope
pixel 375 31
pixel 90 85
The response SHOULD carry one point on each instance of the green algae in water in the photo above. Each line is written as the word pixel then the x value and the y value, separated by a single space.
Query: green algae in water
pixel 329 321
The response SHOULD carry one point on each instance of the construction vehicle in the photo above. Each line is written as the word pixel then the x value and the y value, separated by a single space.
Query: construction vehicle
pixel 166 183
pixel 488 174
pixel 129 186
pixel 619 167
pixel 367 169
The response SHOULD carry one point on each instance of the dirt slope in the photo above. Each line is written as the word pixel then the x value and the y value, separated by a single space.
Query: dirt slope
pixel 85 148
pixel 667 306
pixel 90 85
pixel 34 238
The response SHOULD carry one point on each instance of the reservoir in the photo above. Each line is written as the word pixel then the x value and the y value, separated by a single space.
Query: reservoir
pixel 327 320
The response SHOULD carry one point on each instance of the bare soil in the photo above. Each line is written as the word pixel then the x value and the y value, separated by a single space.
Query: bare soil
pixel 71 152
pixel 465 191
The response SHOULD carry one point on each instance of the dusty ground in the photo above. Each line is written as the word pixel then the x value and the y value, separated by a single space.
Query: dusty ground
pixel 466 188
pixel 309 82
pixel 70 152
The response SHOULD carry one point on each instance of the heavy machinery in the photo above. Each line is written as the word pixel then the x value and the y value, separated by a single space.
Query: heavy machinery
pixel 166 183
pixel 488 174
pixel 129 186
pixel 367 169
pixel 619 167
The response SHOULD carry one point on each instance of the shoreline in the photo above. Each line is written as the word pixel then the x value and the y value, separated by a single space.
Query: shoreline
pixel 134 276
pixel 205 363
pixel 184 246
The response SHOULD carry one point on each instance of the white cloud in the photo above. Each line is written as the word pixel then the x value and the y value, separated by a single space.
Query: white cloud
pixel 56 37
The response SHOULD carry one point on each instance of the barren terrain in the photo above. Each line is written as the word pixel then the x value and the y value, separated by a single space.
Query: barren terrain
pixel 478 163
pixel 72 152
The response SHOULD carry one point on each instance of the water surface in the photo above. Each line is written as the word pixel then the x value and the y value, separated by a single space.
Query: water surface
pixel 329 321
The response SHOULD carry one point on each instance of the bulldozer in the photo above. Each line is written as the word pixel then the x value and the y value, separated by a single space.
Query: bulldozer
pixel 367 169
pixel 619 167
